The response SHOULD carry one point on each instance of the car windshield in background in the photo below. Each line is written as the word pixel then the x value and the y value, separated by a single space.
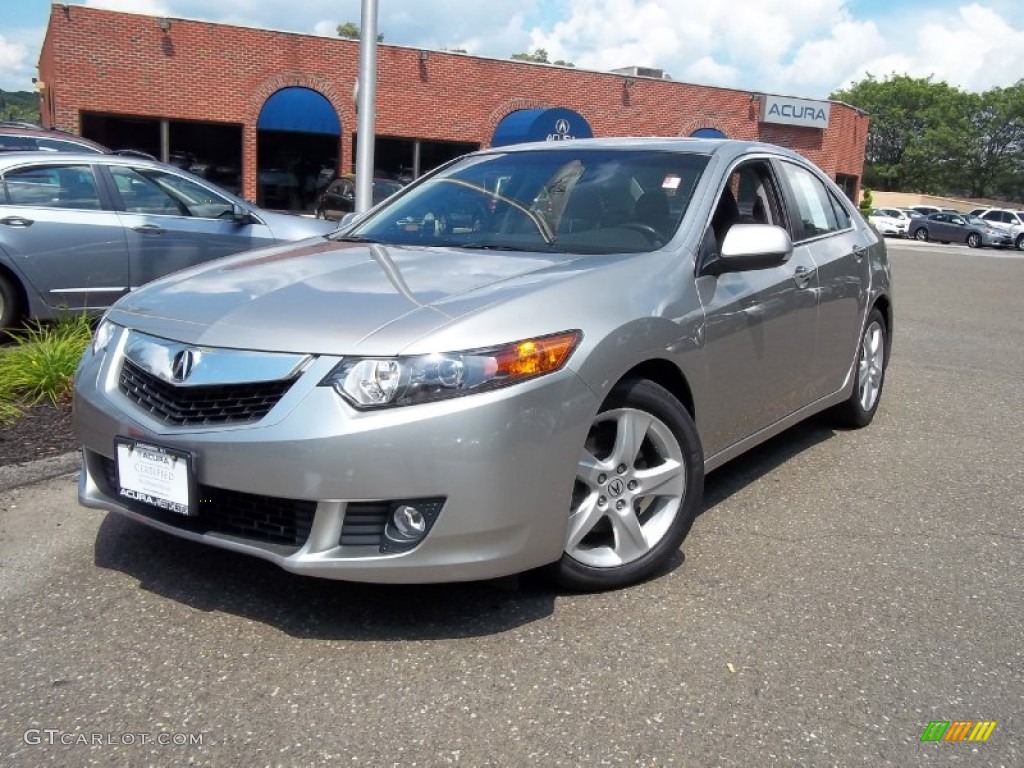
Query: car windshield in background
pixel 575 201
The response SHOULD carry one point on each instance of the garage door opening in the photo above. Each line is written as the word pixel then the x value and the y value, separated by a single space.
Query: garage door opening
pixel 297 136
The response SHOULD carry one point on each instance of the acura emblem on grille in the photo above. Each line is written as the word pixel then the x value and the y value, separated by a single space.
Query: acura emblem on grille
pixel 183 364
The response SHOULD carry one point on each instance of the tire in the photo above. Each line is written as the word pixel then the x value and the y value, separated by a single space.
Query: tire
pixel 872 360
pixel 633 504
pixel 1019 242
pixel 10 306
pixel 921 234
pixel 974 240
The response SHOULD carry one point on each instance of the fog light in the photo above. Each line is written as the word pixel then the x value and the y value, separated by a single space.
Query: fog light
pixel 409 522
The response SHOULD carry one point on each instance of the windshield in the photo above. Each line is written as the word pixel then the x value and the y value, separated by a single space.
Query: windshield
pixel 977 222
pixel 574 201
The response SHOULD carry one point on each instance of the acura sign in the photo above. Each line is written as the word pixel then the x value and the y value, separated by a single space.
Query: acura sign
pixel 786 111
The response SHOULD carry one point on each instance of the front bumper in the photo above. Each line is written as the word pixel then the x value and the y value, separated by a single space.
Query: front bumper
pixel 501 463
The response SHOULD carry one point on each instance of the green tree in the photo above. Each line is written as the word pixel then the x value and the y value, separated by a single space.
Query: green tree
pixel 351 31
pixel 934 137
pixel 540 56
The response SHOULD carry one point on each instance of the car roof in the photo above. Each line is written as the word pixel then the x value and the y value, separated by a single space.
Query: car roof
pixel 726 148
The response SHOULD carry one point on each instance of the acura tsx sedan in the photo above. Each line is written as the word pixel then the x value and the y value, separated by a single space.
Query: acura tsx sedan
pixel 528 358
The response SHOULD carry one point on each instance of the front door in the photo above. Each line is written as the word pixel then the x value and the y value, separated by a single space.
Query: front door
pixel 761 325
pixel 171 222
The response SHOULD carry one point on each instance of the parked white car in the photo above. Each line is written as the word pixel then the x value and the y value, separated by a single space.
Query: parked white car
pixel 889 222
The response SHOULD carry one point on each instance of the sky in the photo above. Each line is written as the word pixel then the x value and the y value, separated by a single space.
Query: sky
pixel 803 48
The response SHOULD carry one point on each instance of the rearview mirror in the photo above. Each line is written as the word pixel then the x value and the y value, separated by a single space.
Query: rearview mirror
pixel 751 246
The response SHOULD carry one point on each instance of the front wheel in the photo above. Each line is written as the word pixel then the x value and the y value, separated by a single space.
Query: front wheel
pixel 921 234
pixel 974 240
pixel 639 485
pixel 1019 243
pixel 859 410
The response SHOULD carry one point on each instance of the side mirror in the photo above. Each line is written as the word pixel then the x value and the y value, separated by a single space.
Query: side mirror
pixel 346 219
pixel 751 246
pixel 240 216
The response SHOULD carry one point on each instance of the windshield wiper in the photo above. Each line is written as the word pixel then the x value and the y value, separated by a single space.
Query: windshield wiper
pixel 487 247
pixel 351 239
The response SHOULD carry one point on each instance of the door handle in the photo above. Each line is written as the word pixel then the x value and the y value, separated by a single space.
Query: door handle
pixel 17 221
pixel 803 276
pixel 149 229
pixel 858 252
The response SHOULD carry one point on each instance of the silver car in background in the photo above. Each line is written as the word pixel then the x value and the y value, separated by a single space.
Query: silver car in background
pixel 530 357
pixel 80 230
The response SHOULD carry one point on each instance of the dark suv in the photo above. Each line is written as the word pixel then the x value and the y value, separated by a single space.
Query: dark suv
pixel 18 136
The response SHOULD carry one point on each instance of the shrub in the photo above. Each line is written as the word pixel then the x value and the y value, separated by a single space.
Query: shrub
pixel 40 363
pixel 866 202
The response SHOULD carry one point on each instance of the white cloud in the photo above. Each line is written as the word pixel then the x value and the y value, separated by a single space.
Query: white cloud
pixel 802 47
pixel 15 68
pixel 146 7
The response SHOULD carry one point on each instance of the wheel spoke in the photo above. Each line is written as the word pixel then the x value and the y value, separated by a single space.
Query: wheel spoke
pixel 666 479
pixel 589 468
pixel 631 428
pixel 582 520
pixel 630 542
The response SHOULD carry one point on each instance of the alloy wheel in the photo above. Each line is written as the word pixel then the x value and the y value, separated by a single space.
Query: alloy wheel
pixel 630 484
pixel 870 366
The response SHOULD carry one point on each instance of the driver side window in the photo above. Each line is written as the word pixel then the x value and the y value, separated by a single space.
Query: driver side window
pixel 750 196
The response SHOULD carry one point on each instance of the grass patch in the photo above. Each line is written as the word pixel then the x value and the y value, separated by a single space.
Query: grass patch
pixel 40 364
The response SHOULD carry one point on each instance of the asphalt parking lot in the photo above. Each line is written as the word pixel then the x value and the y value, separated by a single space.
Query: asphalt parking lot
pixel 841 591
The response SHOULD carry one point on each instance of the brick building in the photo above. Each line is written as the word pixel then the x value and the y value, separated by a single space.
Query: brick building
pixel 261 111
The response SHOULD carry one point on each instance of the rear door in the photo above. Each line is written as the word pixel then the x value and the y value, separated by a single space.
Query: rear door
pixel 57 229
pixel 172 222
pixel 826 226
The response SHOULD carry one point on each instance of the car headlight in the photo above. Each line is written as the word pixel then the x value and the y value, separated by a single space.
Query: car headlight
pixel 101 338
pixel 374 382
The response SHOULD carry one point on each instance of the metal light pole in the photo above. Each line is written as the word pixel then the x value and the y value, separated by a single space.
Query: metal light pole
pixel 366 105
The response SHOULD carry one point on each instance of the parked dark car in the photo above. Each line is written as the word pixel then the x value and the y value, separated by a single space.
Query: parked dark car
pixel 16 136
pixel 340 196
pixel 78 231
pixel 957 228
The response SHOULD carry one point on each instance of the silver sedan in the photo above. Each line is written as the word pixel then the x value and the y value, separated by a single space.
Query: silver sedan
pixel 530 357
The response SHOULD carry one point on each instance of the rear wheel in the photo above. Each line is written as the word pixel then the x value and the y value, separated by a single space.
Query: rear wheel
pixel 859 409
pixel 639 486
pixel 10 307
pixel 921 234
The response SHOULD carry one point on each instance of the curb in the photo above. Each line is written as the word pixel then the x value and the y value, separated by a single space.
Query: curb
pixel 17 475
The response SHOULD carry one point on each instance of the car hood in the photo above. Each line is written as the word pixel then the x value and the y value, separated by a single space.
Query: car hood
pixel 287 227
pixel 327 297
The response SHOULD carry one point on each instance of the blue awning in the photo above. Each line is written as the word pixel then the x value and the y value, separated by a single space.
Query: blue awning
pixel 708 133
pixel 555 124
pixel 301 110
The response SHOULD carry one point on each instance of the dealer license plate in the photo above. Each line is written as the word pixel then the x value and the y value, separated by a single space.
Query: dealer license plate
pixel 151 474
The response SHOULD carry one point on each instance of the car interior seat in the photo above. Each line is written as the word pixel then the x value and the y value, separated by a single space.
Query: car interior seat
pixel 726 214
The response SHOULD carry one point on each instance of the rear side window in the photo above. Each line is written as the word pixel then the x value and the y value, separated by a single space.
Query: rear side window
pixel 16 143
pixel 817 209
pixel 52 186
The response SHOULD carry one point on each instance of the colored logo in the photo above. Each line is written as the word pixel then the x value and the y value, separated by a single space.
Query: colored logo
pixel 958 730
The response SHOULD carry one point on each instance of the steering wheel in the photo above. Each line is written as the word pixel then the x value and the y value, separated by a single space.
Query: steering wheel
pixel 647 231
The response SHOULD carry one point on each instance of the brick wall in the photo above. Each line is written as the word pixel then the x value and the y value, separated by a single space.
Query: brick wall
pixel 125 64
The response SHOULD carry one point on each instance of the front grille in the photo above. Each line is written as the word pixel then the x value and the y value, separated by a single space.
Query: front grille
pixel 264 519
pixel 202 405
pixel 364 523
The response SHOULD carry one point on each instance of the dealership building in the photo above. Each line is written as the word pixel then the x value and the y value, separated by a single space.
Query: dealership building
pixel 272 114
